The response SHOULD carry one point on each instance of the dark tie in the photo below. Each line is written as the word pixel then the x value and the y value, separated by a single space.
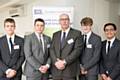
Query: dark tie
pixel 85 40
pixel 11 44
pixel 41 44
pixel 108 49
pixel 63 40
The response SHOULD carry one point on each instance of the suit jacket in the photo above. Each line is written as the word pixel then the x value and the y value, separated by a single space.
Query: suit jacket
pixel 111 61
pixel 70 52
pixel 34 55
pixel 91 55
pixel 13 60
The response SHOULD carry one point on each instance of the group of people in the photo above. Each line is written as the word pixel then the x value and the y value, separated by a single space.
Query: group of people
pixel 68 54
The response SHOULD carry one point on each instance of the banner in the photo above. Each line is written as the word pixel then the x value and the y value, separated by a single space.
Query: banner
pixel 51 17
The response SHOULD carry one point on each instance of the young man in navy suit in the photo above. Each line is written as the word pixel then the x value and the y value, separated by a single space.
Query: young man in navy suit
pixel 11 53
pixel 89 66
pixel 110 54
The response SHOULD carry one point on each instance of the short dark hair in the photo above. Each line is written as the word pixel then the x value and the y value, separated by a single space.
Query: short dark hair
pixel 110 24
pixel 87 21
pixel 9 20
pixel 39 19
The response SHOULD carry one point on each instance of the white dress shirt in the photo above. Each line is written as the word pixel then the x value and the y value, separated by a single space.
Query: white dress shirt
pixel 88 36
pixel 111 43
pixel 12 38
pixel 66 33
pixel 40 36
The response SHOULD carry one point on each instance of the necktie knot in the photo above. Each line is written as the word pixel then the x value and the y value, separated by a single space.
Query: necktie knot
pixel 64 34
pixel 10 39
pixel 85 37
pixel 109 42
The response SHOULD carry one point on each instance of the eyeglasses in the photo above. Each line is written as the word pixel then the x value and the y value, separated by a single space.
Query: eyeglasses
pixel 106 30
pixel 64 19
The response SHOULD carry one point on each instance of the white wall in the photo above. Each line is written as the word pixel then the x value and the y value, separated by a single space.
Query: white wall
pixel 101 11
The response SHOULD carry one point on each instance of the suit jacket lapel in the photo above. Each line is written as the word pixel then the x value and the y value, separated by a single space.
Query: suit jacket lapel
pixel 90 38
pixel 15 43
pixel 6 45
pixel 36 40
pixel 59 40
pixel 112 47
pixel 45 42
pixel 104 48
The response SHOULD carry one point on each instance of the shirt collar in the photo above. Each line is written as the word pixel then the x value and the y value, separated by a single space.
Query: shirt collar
pixel 66 31
pixel 12 37
pixel 88 34
pixel 38 35
pixel 111 40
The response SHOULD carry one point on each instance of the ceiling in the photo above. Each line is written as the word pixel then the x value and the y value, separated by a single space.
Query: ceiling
pixel 4 1
pixel 13 3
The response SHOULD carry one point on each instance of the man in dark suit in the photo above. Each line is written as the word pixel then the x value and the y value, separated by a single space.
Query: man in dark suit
pixel 36 48
pixel 65 50
pixel 91 53
pixel 11 53
pixel 110 54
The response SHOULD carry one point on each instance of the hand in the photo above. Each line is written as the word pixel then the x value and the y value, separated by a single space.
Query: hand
pixel 60 64
pixel 84 72
pixel 104 77
pixel 43 69
pixel 11 73
pixel 108 78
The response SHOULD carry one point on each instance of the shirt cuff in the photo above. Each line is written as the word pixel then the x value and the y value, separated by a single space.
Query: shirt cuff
pixel 48 65
pixel 65 62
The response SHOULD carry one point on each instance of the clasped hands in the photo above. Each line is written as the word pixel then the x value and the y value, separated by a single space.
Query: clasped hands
pixel 104 77
pixel 10 73
pixel 43 69
pixel 60 64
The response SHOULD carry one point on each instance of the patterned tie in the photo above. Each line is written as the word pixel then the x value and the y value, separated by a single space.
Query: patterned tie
pixel 63 40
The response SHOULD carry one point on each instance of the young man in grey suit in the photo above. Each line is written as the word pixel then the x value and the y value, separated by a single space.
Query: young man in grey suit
pixel 91 53
pixel 65 50
pixel 110 54
pixel 11 53
pixel 36 50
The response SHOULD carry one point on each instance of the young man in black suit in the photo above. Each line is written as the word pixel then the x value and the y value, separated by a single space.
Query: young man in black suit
pixel 11 53
pixel 110 54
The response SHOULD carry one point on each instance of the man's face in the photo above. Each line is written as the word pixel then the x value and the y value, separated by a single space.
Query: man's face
pixel 9 28
pixel 86 28
pixel 39 27
pixel 64 22
pixel 110 32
